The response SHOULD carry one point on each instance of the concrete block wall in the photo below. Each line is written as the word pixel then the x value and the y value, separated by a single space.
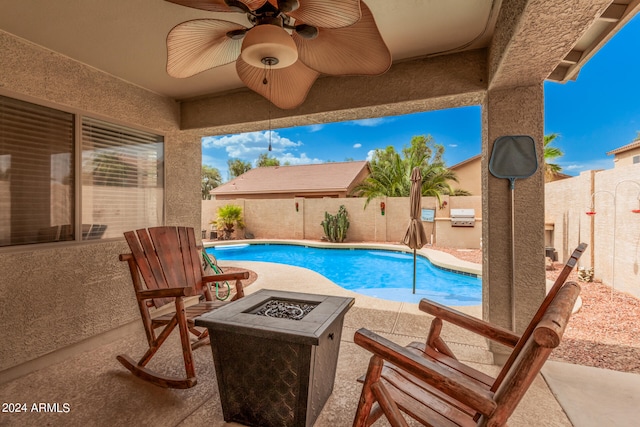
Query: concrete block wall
pixel 613 233
pixel 278 218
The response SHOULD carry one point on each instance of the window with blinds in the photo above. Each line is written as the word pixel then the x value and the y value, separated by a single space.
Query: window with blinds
pixel 37 180
pixel 120 176
pixel 122 179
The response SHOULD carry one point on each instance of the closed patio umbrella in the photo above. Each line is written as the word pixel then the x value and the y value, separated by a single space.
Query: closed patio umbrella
pixel 415 236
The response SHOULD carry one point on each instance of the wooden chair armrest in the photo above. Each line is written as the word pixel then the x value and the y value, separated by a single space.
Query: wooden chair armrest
pixel 165 293
pixel 241 275
pixel 473 324
pixel 449 382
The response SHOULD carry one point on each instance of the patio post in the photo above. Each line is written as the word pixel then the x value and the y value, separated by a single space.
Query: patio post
pixel 512 111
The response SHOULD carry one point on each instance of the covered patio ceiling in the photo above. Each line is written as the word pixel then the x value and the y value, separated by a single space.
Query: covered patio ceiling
pixel 445 54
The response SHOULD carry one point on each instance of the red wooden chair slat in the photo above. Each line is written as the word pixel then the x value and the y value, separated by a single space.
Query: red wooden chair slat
pixel 168 260
pixel 428 383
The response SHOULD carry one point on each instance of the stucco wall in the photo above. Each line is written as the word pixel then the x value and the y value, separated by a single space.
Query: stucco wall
pixel 626 158
pixel 57 295
pixel 566 202
pixel 278 218
pixel 468 176
pixel 613 233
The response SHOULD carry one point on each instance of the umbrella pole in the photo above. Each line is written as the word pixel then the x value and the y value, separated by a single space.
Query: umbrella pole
pixel 414 271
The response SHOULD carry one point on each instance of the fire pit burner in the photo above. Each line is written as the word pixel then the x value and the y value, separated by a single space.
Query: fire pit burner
pixel 284 309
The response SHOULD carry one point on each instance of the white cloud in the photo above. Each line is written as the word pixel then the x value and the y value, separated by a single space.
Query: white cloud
pixel 358 145
pixel 576 168
pixel 453 145
pixel 248 146
pixel 292 159
pixel 370 154
pixel 370 122
pixel 315 128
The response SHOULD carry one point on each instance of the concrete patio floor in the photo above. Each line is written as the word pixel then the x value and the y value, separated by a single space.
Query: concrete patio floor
pixel 100 392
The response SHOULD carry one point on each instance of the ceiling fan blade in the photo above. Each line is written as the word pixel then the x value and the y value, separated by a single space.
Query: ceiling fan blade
pixel 220 5
pixel 355 50
pixel 328 13
pixel 253 4
pixel 286 87
pixel 201 44
pixel 210 5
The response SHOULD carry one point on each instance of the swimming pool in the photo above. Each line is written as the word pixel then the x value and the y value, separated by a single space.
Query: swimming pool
pixel 373 272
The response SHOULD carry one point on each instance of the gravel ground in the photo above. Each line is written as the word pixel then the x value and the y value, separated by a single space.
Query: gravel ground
pixel 603 334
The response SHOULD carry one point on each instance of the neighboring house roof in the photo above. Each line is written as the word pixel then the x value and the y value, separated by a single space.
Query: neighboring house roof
pixel 464 162
pixel 557 176
pixel 633 145
pixel 312 178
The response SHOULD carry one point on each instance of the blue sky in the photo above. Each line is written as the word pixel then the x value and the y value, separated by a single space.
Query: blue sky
pixel 597 113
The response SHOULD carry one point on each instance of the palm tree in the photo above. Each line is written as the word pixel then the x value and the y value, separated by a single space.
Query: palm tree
pixel 388 178
pixel 228 217
pixel 391 172
pixel 435 180
pixel 550 154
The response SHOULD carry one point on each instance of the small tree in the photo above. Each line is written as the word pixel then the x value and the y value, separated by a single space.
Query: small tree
pixel 265 160
pixel 237 167
pixel 210 180
pixel 228 217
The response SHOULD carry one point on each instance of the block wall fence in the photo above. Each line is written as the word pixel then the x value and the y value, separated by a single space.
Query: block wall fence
pixel 280 219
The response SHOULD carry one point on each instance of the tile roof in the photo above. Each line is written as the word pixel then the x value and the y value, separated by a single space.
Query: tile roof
pixel 634 144
pixel 464 162
pixel 325 177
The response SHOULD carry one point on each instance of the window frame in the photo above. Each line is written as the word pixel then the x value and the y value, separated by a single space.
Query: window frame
pixel 78 115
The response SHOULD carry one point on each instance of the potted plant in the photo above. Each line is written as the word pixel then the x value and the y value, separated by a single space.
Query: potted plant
pixel 229 216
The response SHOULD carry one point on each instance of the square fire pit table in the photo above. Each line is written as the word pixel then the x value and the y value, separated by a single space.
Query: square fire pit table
pixel 275 355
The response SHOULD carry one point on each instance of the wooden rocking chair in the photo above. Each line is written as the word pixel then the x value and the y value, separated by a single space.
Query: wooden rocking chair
pixel 168 259
pixel 428 383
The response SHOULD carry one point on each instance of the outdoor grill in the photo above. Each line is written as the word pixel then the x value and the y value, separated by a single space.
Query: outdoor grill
pixel 463 217
pixel 275 355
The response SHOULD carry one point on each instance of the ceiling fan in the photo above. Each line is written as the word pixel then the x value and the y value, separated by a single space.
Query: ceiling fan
pixel 289 44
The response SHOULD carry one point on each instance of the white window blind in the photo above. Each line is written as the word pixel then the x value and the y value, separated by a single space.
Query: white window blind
pixel 36 173
pixel 122 179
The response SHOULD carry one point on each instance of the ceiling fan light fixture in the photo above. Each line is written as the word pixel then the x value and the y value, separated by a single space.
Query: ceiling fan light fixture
pixel 268 45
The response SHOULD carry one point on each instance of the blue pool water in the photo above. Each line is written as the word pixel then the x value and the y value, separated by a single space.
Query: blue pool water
pixel 377 273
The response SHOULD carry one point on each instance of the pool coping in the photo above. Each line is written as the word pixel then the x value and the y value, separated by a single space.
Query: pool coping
pixel 439 259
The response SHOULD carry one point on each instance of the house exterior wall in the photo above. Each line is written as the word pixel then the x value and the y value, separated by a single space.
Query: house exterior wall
pixel 336 194
pixel 278 219
pixel 469 177
pixel 613 233
pixel 59 295
pixel 625 158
